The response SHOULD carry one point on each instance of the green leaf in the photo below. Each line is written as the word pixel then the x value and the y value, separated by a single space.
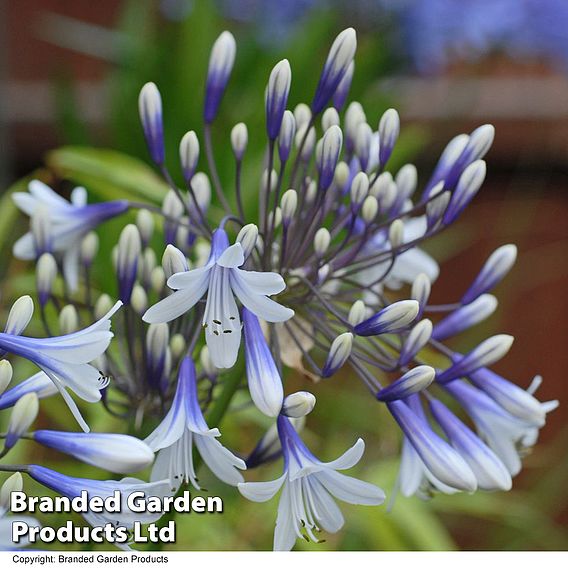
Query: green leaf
pixel 107 174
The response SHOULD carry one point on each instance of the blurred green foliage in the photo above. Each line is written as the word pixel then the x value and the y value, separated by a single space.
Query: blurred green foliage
pixel 175 56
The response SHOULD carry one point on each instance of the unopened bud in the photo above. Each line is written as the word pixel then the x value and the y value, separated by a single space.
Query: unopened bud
pixel 13 483
pixel 302 114
pixel 322 238
pixel 288 205
pixel 392 319
pixel 389 129
pixel 145 224
pixel 247 237
pixel 150 109
pixel 286 136
pixel 158 279
pixel 89 248
pixel 6 373
pixel 298 404
pixel 370 209
pixel 46 272
pixel 341 174
pixel 239 140
pixel 339 352
pixel 420 291
pixel 277 92
pixel 23 414
pixel 173 261
pixel 103 305
pixel 177 345
pixel 412 382
pixel 207 363
pixel 68 319
pixel 418 337
pixel 396 233
pixel 129 249
pixel 359 188
pixel 139 299
pixel 329 118
pixel 357 313
pixel 20 315
pixel 189 154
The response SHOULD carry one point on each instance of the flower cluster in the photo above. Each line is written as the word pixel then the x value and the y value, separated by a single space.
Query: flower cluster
pixel 328 277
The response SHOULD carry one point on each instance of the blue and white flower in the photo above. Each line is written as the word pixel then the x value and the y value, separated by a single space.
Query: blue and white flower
pixel 114 452
pixel 65 360
pixel 308 488
pixel 183 427
pixel 222 279
pixel 69 222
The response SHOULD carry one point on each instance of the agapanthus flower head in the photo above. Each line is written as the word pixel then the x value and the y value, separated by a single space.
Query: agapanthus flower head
pixel 329 278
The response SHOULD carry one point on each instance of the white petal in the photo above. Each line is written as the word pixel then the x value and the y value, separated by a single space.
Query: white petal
pixel 328 513
pixel 261 491
pixel 176 304
pixel 265 283
pixel 350 458
pixel 46 195
pixel 285 532
pixel 349 489
pixel 69 401
pixel 221 461
pixel 75 348
pixel 232 256
pixel 190 278
pixel 172 427
pixel 24 248
pixel 83 379
pixel 411 470
pixel 260 305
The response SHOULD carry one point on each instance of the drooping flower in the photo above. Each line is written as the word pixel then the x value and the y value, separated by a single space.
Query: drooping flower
pixel 183 427
pixel 65 360
pixel 308 488
pixel 222 279
pixel 114 452
pixel 68 223
pixel 72 486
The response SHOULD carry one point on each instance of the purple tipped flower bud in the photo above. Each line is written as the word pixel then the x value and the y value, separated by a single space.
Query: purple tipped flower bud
pixel 340 95
pixel 221 64
pixel 264 382
pixel 189 154
pixel 336 67
pixel 412 382
pixel 392 319
pixel 329 155
pixel 485 354
pixel 286 135
pixel 418 337
pixel 339 352
pixel 129 248
pixel 389 129
pixel 468 186
pixel 465 317
pixel 150 110
pixel 494 270
pixel 277 97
